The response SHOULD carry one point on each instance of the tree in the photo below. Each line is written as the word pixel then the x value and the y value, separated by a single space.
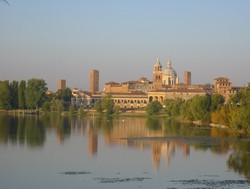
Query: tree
pixel 56 105
pixel 196 109
pixel 153 108
pixel 35 93
pixel 240 110
pixel 217 100
pixel 200 107
pixel 4 95
pixel 221 115
pixel 107 104
pixel 21 94
pixel 98 106
pixel 172 106
pixel 13 86
pixel 46 106
pixel 65 95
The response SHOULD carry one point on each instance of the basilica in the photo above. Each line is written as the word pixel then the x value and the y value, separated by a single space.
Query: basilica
pixel 135 94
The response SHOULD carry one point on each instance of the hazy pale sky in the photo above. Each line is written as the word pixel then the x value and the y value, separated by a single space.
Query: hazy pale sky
pixel 59 39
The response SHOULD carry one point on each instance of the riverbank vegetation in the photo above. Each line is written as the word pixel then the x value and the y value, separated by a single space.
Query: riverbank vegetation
pixel 33 96
pixel 234 114
pixel 210 109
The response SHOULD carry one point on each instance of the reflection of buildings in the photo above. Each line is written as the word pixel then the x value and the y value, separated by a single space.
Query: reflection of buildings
pixel 93 139
pixel 133 128
pixel 167 149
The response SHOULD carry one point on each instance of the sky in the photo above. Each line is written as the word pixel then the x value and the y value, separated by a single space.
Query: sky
pixel 59 39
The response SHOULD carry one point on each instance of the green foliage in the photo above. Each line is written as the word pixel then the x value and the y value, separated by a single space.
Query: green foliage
pixel 46 106
pixel 13 86
pixel 35 93
pixel 196 108
pixel 5 96
pixel 98 106
pixel 80 111
pixel 153 108
pixel 56 105
pixel 64 95
pixel 240 108
pixel 72 110
pixel 236 113
pixel 217 101
pixel 186 110
pixel 172 106
pixel 21 94
pixel 107 104
pixel 221 116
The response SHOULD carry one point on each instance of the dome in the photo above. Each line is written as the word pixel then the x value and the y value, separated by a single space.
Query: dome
pixel 169 71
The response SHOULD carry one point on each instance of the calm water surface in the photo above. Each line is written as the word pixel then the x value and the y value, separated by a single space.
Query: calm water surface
pixel 91 152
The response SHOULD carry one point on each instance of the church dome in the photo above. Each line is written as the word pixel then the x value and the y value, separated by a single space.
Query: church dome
pixel 169 71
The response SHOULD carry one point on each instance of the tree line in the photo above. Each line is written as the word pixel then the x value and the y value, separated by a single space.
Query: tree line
pixel 32 95
pixel 235 113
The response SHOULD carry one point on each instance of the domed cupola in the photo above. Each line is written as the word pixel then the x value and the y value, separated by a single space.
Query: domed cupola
pixel 169 71
pixel 169 76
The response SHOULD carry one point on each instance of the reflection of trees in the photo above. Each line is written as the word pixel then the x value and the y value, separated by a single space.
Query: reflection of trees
pixel 62 125
pixel 239 160
pixel 34 132
pixel 106 124
pixel 22 129
pixel 4 128
pixel 153 123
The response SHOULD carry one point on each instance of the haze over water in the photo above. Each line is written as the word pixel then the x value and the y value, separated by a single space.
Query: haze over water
pixel 92 152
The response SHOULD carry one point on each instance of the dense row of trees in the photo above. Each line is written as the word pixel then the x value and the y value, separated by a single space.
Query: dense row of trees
pixel 236 113
pixel 196 108
pixel 209 109
pixel 32 95
pixel 21 95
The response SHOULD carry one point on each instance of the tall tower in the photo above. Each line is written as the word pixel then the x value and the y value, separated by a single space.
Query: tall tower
pixel 61 84
pixel 187 78
pixel 94 81
pixel 157 75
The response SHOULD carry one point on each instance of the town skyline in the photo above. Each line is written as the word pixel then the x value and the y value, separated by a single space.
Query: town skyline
pixel 60 40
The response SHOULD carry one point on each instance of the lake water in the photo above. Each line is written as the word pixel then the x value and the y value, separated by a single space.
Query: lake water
pixel 126 152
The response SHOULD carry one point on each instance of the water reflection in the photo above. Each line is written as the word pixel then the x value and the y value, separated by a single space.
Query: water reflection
pixel 164 137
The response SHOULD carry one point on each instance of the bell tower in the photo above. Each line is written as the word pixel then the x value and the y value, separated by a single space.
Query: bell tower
pixel 157 75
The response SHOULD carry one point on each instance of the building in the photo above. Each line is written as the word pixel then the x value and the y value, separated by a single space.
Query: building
pixel 94 81
pixel 84 99
pixel 130 100
pixel 135 94
pixel 140 85
pixel 157 75
pixel 223 86
pixel 180 91
pixel 164 78
pixel 169 75
pixel 187 78
pixel 61 84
